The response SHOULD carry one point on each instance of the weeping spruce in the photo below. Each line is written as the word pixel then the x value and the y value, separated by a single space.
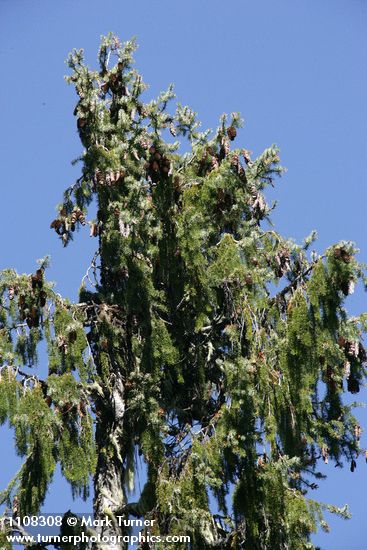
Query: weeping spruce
pixel 206 349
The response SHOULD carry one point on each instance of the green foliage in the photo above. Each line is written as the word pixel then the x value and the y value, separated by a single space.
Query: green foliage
pixel 204 341
pixel 50 417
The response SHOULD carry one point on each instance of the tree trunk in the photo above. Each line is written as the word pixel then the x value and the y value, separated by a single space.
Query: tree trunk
pixel 109 477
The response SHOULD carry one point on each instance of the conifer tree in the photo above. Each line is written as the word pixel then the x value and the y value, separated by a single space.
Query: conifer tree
pixel 204 344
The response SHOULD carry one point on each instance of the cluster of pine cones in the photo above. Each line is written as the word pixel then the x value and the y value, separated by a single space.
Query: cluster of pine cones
pixel 65 223
pixel 63 342
pixel 109 178
pixel 157 166
pixel 354 350
pixel 341 254
pixel 211 158
pixel 114 83
pixel 30 310
pixel 282 260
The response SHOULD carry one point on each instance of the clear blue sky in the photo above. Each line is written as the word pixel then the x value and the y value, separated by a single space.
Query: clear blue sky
pixel 296 69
